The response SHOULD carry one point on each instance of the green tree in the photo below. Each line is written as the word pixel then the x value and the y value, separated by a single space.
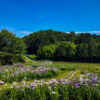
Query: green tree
pixel 38 39
pixel 10 43
pixel 47 51
pixel 93 48
pixel 82 50
pixel 83 38
pixel 65 49
pixel 17 46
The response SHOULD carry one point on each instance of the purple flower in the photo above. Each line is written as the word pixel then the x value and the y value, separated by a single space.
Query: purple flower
pixel 61 80
pixel 33 70
pixel 70 82
pixel 52 82
pixel 94 78
pixel 77 84
pixel 33 85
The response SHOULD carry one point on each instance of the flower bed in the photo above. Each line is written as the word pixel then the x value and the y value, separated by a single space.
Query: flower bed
pixel 87 87
pixel 26 73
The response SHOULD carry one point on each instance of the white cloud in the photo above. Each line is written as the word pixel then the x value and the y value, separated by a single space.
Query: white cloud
pixel 24 32
pixel 79 32
pixel 95 32
pixel 14 30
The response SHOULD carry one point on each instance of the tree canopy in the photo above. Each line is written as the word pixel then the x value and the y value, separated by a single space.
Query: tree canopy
pixel 10 43
pixel 66 45
pixel 11 47
pixel 51 44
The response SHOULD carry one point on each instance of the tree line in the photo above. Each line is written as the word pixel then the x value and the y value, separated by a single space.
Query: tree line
pixel 11 48
pixel 57 45
pixel 49 44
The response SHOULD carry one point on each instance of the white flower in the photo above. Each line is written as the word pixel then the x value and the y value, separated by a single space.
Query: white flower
pixel 1 82
pixel 14 83
pixel 6 70
pixel 53 92
pixel 23 82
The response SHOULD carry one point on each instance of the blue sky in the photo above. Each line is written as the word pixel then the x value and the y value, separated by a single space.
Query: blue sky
pixel 25 16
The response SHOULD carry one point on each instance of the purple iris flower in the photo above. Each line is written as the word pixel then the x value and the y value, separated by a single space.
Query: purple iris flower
pixel 77 84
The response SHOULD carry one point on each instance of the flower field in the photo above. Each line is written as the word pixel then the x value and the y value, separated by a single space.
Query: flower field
pixel 15 73
pixel 50 81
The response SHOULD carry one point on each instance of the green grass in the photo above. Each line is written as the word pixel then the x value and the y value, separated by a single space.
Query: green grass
pixel 57 70
pixel 65 69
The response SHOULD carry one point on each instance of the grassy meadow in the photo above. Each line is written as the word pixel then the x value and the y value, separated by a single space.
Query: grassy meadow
pixel 50 80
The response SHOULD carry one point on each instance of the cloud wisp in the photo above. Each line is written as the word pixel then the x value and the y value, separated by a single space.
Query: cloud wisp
pixel 25 32
pixel 95 32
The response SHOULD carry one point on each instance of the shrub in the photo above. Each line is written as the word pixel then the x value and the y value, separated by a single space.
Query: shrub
pixel 47 51
pixel 22 73
pixel 65 50
pixel 8 58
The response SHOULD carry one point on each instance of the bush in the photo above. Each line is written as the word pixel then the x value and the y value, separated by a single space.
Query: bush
pixel 65 50
pixel 10 43
pixel 21 73
pixel 32 57
pixel 47 51
pixel 8 58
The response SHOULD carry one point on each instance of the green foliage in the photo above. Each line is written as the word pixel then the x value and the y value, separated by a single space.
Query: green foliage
pixel 83 38
pixel 47 51
pixel 18 74
pixel 52 45
pixel 59 50
pixel 10 43
pixel 60 92
pixel 89 49
pixel 17 46
pixel 39 39
pixel 82 50
pixel 32 57
pixel 11 48
pixel 93 48
pixel 8 58
pixel 67 45
pixel 65 49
